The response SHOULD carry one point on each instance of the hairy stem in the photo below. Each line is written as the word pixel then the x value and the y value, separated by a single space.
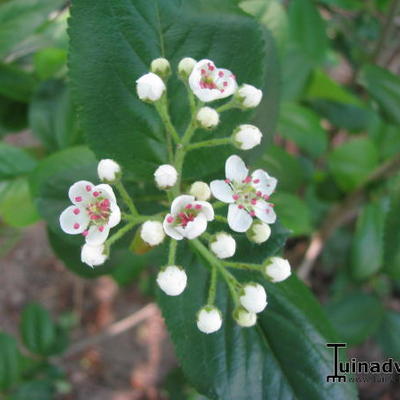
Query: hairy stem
pixel 213 286
pixel 250 267
pixel 209 143
pixel 172 251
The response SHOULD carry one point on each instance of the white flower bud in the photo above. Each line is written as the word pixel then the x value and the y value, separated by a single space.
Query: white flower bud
pixel 200 190
pixel 253 298
pixel 165 176
pixel 223 245
pixel 152 233
pixel 150 87
pixel 207 117
pixel 209 319
pixel 259 232
pixel 278 269
pixel 185 66
pixel 245 318
pixel 172 280
pixel 249 96
pixel 93 255
pixel 161 67
pixel 108 170
pixel 247 136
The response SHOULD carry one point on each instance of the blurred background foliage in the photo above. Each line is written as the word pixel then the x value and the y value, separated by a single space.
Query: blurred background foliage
pixel 336 153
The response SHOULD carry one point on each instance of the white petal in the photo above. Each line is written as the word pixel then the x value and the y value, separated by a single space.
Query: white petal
pixel 229 78
pixel 206 209
pixel 80 193
pixel 170 230
pixel 222 191
pixel 207 95
pixel 106 191
pixel 73 223
pixel 239 220
pixel 180 202
pixel 235 169
pixel 266 184
pixel 265 212
pixel 196 227
pixel 97 237
pixel 115 216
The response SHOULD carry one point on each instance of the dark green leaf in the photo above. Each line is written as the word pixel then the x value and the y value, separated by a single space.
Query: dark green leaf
pixel 352 162
pixel 15 83
pixel 386 137
pixel 14 162
pixel 388 335
pixel 9 361
pixel 356 316
pixel 13 115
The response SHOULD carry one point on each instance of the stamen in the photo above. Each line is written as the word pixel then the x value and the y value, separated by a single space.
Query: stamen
pixel 220 74
pixel 77 211
pixel 256 181
pixel 259 194
pixel 94 216
pixel 170 219
pixel 188 206
pixel 266 197
pixel 88 188
pixel 198 206
pixel 95 194
pixel 101 228
pixel 235 197
pixel 76 226
pixel 247 180
pixel 227 181
pixel 240 206
pixel 253 202
pixel 225 83
pixel 252 213
pixel 203 71
pixel 85 233
pixel 78 199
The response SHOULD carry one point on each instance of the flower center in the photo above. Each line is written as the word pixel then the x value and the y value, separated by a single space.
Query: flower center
pixel 213 79
pixel 99 211
pixel 188 214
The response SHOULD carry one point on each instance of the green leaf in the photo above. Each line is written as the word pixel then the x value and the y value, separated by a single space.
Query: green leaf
pixel 13 115
pixel 9 361
pixel 293 212
pixel 384 87
pixel 34 390
pixel 254 363
pixel 14 162
pixel 352 162
pixel 15 83
pixel 20 18
pixel 386 137
pixel 388 335
pixel 356 316
pixel 121 52
pixel 303 126
pixel 37 329
pixel 367 246
pixel 48 62
pixel 16 204
pixel 308 29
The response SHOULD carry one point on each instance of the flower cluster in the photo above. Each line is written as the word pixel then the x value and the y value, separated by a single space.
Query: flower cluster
pixel 245 194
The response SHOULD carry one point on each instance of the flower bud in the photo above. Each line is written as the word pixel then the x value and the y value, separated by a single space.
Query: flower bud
pixel 185 66
pixel 249 96
pixel 172 280
pixel 108 170
pixel 244 318
pixel 207 117
pixel 93 255
pixel 259 232
pixel 152 233
pixel 209 319
pixel 246 137
pixel 161 67
pixel 277 269
pixel 223 245
pixel 165 176
pixel 200 190
pixel 150 87
pixel 253 297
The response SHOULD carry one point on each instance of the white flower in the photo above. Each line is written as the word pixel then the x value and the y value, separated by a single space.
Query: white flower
pixel 93 255
pixel 165 176
pixel 161 67
pixel 259 232
pixel 278 269
pixel 244 318
pixel 200 190
pixel 152 233
pixel 207 117
pixel 254 298
pixel 172 280
pixel 108 170
pixel 150 87
pixel 185 66
pixel 249 96
pixel 210 83
pixel 247 136
pixel 188 218
pixel 93 213
pixel 209 319
pixel 223 245
pixel 246 194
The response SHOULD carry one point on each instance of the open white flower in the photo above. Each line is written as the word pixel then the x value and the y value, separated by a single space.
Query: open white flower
pixel 210 83
pixel 165 176
pixel 249 96
pixel 277 269
pixel 152 232
pixel 253 298
pixel 209 319
pixel 259 232
pixel 172 280
pixel 93 213
pixel 223 245
pixel 188 218
pixel 200 190
pixel 244 318
pixel 246 194
pixel 93 255
pixel 247 136
pixel 150 87
pixel 108 170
